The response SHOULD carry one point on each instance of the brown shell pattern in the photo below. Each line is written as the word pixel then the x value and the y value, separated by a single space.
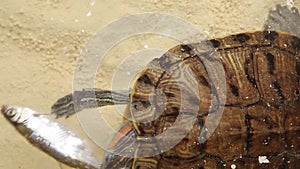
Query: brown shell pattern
pixel 261 114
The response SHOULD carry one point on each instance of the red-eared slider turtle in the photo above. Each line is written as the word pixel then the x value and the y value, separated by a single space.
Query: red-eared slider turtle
pixel 260 124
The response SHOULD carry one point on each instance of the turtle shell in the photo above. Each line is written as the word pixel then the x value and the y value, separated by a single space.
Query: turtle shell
pixel 260 115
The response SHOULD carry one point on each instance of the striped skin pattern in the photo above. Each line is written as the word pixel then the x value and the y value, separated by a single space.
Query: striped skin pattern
pixel 261 116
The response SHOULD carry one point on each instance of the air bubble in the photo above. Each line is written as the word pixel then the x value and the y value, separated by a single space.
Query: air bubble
pixel 89 13
pixel 92 2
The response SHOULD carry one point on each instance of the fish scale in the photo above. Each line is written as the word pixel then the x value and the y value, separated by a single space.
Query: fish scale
pixel 51 137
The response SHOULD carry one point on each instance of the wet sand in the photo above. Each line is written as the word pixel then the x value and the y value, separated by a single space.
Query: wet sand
pixel 40 42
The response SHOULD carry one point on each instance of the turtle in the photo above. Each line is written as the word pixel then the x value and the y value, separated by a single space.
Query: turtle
pixel 178 94
pixel 260 123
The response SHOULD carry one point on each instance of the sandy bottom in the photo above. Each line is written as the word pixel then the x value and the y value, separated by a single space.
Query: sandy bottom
pixel 40 42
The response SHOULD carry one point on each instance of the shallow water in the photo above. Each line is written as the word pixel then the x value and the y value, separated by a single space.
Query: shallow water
pixel 41 40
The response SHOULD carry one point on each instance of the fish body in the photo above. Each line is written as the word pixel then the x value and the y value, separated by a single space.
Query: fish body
pixel 51 137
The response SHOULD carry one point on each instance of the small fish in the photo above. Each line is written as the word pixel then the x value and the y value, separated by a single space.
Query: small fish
pixel 51 137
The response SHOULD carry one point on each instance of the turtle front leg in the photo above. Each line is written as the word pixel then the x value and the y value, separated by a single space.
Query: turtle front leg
pixel 120 153
pixel 88 98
